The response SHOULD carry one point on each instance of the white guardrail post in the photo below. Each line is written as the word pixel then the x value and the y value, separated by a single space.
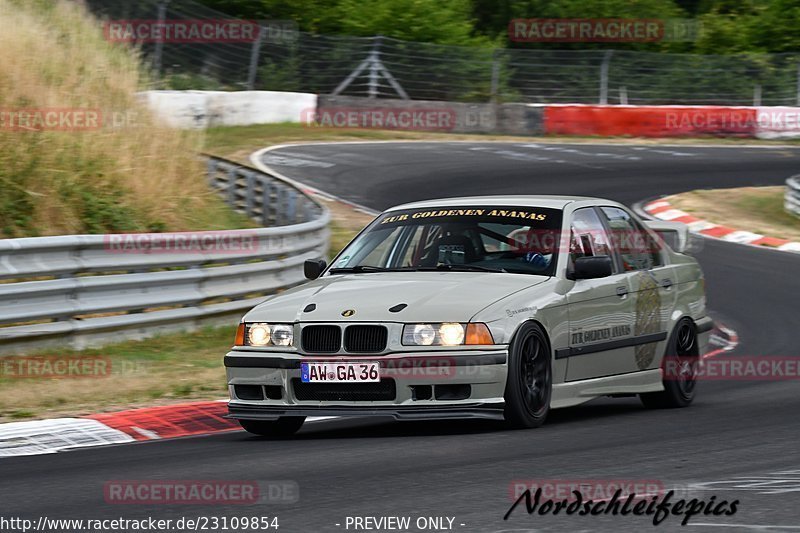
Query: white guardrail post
pixel 88 290
pixel 792 196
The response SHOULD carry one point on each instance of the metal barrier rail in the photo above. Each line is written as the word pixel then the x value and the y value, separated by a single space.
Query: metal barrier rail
pixel 791 199
pixel 103 288
pixel 272 201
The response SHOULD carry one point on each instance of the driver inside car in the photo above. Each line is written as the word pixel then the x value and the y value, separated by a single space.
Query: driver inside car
pixel 535 247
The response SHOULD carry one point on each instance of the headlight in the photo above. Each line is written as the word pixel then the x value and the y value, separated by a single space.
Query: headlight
pixel 422 334
pixel 446 334
pixel 451 334
pixel 258 334
pixel 282 335
pixel 263 334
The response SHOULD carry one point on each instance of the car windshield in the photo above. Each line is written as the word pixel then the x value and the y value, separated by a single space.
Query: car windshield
pixel 512 239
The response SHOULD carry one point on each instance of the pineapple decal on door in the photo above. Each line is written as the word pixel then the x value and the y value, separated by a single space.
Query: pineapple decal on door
pixel 648 317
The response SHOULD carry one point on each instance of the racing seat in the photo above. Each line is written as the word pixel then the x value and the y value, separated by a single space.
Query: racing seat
pixel 456 250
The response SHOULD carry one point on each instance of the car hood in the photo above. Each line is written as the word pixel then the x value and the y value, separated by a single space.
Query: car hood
pixel 429 297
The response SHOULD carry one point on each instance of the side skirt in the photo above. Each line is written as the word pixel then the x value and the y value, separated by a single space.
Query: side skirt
pixel 578 392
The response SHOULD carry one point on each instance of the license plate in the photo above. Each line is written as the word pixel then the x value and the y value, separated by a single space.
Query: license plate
pixel 368 372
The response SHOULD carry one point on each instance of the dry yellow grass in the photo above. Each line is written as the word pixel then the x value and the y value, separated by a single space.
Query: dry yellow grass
pixel 78 397
pixel 165 369
pixel 137 176
pixel 756 209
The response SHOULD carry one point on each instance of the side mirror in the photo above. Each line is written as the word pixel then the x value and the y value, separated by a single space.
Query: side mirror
pixel 675 234
pixel 593 267
pixel 313 268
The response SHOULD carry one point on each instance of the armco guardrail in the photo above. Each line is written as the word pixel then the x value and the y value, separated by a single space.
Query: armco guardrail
pixel 792 195
pixel 103 288
pixel 270 200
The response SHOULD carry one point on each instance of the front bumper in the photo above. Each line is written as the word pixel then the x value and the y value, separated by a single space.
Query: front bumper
pixel 487 411
pixel 705 327
pixel 426 385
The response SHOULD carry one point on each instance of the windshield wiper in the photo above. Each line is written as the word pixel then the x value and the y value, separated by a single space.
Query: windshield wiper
pixel 450 268
pixel 359 268
pixel 462 268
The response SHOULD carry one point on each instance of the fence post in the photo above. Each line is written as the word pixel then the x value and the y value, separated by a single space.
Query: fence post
pixel 291 207
pixel 798 84
pixel 232 176
pixel 604 77
pixel 251 180
pixel 286 202
pixel 157 53
pixel 374 66
pixel 757 95
pixel 495 76
pixel 266 201
pixel 623 95
pixel 255 51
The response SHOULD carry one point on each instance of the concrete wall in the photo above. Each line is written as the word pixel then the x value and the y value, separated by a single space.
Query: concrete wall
pixel 448 117
pixel 203 109
pixel 778 122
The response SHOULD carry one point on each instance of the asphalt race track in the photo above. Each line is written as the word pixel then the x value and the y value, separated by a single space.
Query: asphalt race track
pixel 740 440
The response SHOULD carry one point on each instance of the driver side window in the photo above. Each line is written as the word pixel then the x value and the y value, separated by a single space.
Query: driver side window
pixel 588 236
pixel 638 250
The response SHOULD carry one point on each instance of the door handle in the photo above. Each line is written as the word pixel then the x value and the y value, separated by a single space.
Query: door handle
pixel 666 283
pixel 622 291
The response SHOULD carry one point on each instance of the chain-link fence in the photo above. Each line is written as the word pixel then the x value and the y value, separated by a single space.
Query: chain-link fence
pixel 390 68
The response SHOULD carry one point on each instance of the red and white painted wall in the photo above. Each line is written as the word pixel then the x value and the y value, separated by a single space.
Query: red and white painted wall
pixel 672 121
pixel 202 109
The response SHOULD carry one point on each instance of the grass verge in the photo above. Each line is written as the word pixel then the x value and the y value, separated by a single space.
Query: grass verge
pixel 164 369
pixel 756 209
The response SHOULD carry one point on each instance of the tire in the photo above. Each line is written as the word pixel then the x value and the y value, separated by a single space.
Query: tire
pixel 679 367
pixel 285 426
pixel 529 385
